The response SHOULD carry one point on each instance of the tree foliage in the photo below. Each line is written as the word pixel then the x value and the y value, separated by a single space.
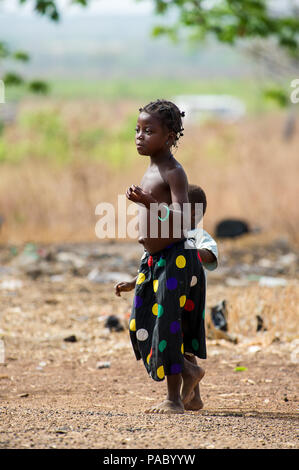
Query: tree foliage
pixel 49 9
pixel 227 20
pixel 230 21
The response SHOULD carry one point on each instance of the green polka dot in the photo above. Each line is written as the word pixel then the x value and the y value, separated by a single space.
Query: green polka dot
pixel 203 314
pixel 161 262
pixel 162 345
pixel 160 310
pixel 195 344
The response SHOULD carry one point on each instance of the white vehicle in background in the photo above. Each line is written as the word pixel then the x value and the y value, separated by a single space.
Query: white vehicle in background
pixel 201 107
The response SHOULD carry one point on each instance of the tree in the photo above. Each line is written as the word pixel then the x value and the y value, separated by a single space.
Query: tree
pixel 46 8
pixel 230 21
pixel 270 36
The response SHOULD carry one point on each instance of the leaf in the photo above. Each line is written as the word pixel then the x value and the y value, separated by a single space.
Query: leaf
pixel 240 369
pixel 4 51
pixel 47 8
pixel 161 6
pixel 21 55
pixel 12 79
pixel 277 94
pixel 38 86
pixel 80 2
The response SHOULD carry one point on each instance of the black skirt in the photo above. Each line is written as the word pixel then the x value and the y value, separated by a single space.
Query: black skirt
pixel 168 313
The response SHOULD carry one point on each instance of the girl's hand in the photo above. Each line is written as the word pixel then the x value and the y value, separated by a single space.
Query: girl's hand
pixel 124 287
pixel 136 194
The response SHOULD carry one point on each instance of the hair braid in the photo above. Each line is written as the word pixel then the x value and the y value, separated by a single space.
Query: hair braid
pixel 169 114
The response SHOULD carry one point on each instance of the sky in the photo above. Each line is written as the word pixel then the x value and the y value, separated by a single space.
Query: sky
pixel 95 7
pixel 122 7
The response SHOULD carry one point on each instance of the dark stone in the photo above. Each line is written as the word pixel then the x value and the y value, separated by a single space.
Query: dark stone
pixel 231 228
pixel 218 316
pixel 71 339
pixel 113 323
pixel 260 324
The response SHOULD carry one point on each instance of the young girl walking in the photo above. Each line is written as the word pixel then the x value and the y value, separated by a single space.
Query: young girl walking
pixel 165 290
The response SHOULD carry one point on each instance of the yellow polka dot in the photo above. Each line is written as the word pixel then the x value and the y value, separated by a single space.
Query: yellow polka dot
pixel 155 309
pixel 182 348
pixel 155 285
pixel 133 325
pixel 140 278
pixel 183 299
pixel 148 358
pixel 180 261
pixel 160 372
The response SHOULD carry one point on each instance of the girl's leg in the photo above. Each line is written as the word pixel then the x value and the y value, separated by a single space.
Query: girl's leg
pixel 173 403
pixel 192 374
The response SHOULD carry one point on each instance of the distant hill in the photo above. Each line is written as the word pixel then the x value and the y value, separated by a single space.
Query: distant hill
pixel 112 47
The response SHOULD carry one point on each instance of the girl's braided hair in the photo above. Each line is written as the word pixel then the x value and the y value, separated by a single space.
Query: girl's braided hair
pixel 169 114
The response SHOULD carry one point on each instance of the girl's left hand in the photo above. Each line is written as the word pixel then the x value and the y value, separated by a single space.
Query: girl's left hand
pixel 136 194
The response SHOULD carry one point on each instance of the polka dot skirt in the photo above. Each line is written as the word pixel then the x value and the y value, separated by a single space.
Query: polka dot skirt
pixel 167 316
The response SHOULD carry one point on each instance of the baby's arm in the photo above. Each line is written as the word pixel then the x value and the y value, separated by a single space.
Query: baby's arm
pixel 125 286
pixel 207 256
pixel 208 251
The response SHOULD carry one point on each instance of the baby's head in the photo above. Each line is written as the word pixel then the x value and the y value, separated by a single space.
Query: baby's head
pixel 197 195
pixel 167 115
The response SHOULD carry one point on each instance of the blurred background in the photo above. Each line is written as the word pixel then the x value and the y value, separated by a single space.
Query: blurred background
pixel 74 74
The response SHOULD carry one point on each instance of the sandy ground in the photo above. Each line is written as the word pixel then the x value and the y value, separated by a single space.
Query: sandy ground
pixel 57 394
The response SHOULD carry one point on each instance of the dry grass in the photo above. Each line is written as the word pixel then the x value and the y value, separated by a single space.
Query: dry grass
pixel 278 308
pixel 246 169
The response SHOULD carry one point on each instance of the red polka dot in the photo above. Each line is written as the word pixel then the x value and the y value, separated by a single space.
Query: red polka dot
pixel 199 257
pixel 189 305
pixel 150 261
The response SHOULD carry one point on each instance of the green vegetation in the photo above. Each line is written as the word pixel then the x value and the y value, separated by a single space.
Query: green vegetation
pixel 146 89
pixel 231 20
pixel 142 90
pixel 226 22
pixel 45 134
pixel 51 140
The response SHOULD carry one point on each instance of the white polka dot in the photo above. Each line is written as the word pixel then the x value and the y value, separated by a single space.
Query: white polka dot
pixel 142 334
pixel 193 281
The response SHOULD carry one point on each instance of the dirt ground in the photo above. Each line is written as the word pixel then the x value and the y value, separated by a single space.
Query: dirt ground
pixel 92 393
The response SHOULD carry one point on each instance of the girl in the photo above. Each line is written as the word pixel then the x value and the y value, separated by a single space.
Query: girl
pixel 164 292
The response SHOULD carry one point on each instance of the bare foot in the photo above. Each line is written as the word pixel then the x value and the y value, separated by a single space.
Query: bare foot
pixel 167 407
pixel 192 375
pixel 195 404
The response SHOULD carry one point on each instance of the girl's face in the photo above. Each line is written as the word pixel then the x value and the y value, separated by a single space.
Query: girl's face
pixel 151 136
